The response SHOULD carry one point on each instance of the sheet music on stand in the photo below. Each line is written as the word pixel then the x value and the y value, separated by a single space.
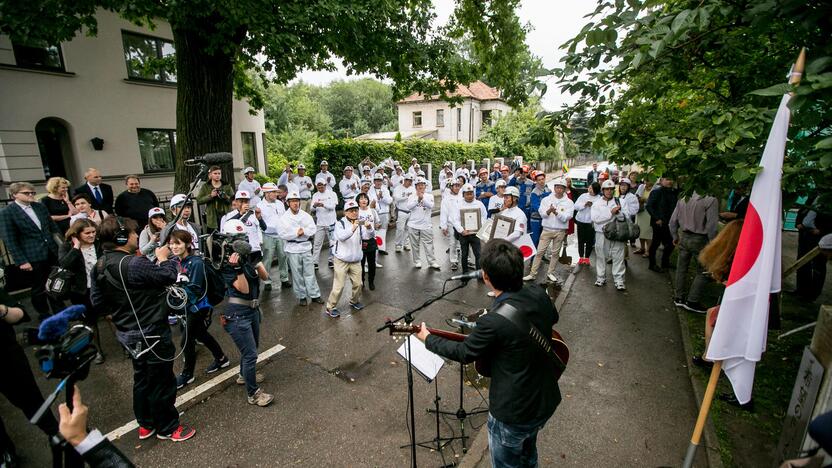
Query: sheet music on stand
pixel 425 362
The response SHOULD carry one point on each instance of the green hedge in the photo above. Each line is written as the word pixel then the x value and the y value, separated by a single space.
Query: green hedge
pixel 349 152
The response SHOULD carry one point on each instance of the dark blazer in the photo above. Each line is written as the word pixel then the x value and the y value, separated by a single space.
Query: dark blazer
pixel 72 259
pixel 24 240
pixel 105 455
pixel 106 195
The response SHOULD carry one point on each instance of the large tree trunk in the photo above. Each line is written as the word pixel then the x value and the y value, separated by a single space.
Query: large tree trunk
pixel 203 104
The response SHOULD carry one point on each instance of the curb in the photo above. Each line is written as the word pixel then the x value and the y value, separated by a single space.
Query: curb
pixel 711 445
pixel 479 448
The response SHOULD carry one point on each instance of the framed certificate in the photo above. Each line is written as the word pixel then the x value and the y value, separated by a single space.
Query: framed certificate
pixel 502 226
pixel 485 231
pixel 471 219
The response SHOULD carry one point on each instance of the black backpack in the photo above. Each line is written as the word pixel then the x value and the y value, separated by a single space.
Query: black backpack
pixel 214 285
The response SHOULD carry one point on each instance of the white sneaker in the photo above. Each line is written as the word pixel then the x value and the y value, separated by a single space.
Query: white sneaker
pixel 528 277
pixel 379 265
pixel 365 268
pixel 398 248
pixel 554 279
pixel 407 247
pixel 435 266
pixel 620 287
pixel 260 398
pixel 417 265
pixel 491 294
pixel 600 282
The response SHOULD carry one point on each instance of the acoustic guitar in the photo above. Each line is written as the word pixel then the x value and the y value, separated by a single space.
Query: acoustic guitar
pixel 560 352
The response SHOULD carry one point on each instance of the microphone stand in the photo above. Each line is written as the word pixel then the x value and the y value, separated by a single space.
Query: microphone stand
pixel 163 235
pixel 408 318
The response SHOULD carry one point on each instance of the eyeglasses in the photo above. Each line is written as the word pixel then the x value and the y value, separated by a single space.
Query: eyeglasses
pixel 29 193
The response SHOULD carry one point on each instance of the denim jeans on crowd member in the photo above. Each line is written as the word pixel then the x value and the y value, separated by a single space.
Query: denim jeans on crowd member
pixel 272 246
pixel 690 245
pixel 513 445
pixel 243 324
pixel 154 383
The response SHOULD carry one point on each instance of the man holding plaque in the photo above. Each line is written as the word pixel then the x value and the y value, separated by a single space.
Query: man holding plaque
pixel 511 223
pixel 450 205
pixel 555 211
pixel 467 220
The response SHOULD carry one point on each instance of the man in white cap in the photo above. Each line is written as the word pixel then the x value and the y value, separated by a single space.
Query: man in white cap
pixel 365 185
pixel 325 175
pixel 495 202
pixel 555 211
pixel 445 175
pixel 297 228
pixel 383 202
pixel 348 255
pixel 253 221
pixel 272 209
pixel 419 225
pixel 305 188
pixel 248 184
pixel 428 183
pixel 510 209
pixel 366 173
pixel 287 178
pixel 324 202
pixel 401 194
pixel 177 204
pixel 468 239
pixel 349 184
pixel 604 210
pixel 450 206
pixel 414 168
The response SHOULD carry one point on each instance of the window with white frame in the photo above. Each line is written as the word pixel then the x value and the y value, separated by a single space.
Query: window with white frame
pixel 417 119
pixel 440 117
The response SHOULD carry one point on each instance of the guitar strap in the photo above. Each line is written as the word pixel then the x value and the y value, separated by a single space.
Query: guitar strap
pixel 511 313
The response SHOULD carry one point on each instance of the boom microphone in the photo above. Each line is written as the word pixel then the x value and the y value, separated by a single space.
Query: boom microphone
pixel 211 159
pixel 55 326
pixel 242 247
pixel 467 276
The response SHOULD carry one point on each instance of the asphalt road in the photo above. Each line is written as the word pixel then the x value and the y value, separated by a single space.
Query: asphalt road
pixel 340 388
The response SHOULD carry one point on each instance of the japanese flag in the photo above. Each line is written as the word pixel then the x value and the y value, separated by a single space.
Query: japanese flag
pixel 739 337
pixel 381 239
pixel 526 246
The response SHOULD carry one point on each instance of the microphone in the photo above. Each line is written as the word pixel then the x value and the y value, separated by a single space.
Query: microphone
pixel 55 326
pixel 464 323
pixel 211 159
pixel 476 274
pixel 241 247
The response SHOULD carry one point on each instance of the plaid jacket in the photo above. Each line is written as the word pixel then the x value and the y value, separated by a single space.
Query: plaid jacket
pixel 24 240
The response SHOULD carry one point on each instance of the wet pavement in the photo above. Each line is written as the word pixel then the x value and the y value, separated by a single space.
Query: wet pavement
pixel 340 388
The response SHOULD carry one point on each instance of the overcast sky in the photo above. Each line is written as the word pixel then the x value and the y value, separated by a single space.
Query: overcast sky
pixel 553 23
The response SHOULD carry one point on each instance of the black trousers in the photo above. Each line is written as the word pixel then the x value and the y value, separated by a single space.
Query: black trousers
pixel 810 277
pixel 40 300
pixel 197 329
pixel 19 386
pixel 369 247
pixel 661 235
pixel 472 241
pixel 90 316
pixel 154 384
pixel 586 239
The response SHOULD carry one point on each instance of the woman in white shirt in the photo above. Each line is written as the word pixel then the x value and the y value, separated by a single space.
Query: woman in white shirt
pixel 369 221
pixel 583 218
pixel 83 204
pixel 495 202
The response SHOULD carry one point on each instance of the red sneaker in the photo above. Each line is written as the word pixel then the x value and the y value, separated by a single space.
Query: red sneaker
pixel 180 434
pixel 146 433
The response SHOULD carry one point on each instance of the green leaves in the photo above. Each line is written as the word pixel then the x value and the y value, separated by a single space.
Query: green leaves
pixel 774 90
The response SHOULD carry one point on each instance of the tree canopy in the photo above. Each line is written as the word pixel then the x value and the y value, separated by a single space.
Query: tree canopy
pixel 689 88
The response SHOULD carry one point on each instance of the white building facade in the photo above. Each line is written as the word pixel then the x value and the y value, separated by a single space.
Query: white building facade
pixel 481 106
pixel 107 102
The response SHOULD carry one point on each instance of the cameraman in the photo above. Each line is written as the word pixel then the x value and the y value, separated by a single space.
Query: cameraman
pixel 133 288
pixel 18 383
pixel 216 196
pixel 241 319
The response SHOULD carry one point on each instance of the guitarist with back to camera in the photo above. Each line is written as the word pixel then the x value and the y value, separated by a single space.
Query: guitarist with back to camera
pixel 524 391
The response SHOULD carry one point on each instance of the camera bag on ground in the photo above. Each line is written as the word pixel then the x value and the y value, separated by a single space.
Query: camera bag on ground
pixel 59 283
pixel 621 228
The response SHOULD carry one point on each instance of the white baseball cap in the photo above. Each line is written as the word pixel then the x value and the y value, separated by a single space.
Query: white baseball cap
pixel 350 204
pixel 456 181
pixel 233 226
pixel 348 168
pixel 269 187
pixel 324 163
pixel 378 176
pixel 366 180
pixel 301 166
pixel 242 194
pixel 177 200
pixel 421 180
pixel 467 188
pixel 248 169
pixel 825 242
pixel 155 211
pixel 513 192
pixel 559 181
pixel 625 180
pixel 293 195
pixel 365 168
pixel 408 176
pixel 500 183
pixel 421 173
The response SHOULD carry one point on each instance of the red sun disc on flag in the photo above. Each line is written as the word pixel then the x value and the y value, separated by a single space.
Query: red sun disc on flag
pixel 749 246
pixel 379 242
pixel 526 251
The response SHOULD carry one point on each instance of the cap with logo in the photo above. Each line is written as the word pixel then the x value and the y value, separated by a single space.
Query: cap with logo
pixel 242 194
pixel 513 192
pixel 177 200
pixel 421 180
pixel 155 211
pixel 378 177
pixel 500 183
pixel 350 205
pixel 467 188
pixel 293 195
pixel 560 181
pixel 324 163
pixel 408 176
pixel 247 170
pixel 301 166
pixel 269 187
pixel 233 227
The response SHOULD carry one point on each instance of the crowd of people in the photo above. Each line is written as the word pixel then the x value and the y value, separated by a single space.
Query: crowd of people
pixel 115 249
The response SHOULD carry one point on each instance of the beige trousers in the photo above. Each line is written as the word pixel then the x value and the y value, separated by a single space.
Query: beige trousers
pixel 343 270
pixel 557 239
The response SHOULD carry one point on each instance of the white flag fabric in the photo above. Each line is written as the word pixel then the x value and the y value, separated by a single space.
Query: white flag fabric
pixel 739 337
pixel 381 239
pixel 526 246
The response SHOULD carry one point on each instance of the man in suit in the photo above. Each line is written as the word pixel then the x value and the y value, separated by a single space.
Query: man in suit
pixel 101 194
pixel 29 234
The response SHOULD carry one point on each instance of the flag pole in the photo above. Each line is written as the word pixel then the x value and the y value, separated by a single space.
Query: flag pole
pixel 794 79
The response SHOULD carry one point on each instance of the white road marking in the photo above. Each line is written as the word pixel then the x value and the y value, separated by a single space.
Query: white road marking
pixel 196 392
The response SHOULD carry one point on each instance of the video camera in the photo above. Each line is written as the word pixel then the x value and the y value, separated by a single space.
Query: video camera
pixel 71 355
pixel 219 247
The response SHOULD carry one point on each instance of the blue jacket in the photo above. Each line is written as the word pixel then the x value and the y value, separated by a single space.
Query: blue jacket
pixel 536 197
pixel 525 189
pixel 194 267
pixel 481 188
pixel 25 241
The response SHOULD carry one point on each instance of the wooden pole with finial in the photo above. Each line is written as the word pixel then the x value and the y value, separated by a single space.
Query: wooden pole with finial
pixel 794 79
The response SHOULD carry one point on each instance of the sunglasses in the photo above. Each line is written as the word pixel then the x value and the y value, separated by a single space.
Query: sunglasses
pixel 28 193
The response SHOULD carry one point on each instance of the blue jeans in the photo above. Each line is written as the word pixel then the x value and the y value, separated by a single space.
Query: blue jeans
pixel 513 445
pixel 243 324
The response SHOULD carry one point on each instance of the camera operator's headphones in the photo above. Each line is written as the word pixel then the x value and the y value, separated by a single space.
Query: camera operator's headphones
pixel 122 236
